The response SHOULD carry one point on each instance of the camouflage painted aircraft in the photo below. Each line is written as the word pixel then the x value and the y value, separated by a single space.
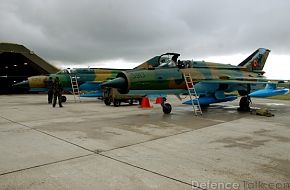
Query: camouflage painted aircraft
pixel 89 79
pixel 212 80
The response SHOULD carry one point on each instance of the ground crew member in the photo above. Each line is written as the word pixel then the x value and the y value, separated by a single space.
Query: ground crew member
pixel 57 92
pixel 50 89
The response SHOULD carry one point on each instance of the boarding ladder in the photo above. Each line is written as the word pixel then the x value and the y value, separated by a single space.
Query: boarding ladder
pixel 192 94
pixel 75 88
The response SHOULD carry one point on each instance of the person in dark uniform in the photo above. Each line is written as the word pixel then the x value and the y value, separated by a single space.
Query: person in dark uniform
pixel 57 92
pixel 50 89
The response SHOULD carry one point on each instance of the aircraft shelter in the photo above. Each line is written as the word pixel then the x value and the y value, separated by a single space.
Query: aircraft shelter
pixel 17 63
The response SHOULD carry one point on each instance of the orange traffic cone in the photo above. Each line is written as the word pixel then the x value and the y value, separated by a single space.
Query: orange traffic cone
pixel 159 100
pixel 145 103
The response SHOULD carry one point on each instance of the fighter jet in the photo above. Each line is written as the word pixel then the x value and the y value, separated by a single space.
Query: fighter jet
pixel 88 79
pixel 212 81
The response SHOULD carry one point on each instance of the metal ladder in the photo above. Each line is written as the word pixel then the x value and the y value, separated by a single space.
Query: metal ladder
pixel 192 93
pixel 75 88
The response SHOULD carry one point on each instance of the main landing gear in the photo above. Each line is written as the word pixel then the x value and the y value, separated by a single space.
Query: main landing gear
pixel 166 107
pixel 245 103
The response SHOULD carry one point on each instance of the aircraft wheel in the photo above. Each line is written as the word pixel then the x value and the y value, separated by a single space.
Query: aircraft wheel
pixel 63 99
pixel 131 101
pixel 107 101
pixel 117 103
pixel 166 108
pixel 244 104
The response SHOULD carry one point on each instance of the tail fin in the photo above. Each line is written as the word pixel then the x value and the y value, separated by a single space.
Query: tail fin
pixel 256 61
pixel 153 62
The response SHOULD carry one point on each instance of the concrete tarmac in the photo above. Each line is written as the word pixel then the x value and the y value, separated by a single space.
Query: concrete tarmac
pixel 88 145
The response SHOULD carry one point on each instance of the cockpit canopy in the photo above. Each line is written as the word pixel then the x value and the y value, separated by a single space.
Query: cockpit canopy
pixel 168 60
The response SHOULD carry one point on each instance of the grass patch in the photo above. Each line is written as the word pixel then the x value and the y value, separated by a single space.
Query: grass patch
pixel 281 97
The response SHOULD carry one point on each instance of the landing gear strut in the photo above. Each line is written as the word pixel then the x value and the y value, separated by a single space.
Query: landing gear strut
pixel 245 104
pixel 166 107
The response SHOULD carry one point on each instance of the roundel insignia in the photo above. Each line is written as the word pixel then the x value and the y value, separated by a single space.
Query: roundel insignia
pixel 255 63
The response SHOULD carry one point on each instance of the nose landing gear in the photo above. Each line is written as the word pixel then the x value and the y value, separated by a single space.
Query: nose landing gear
pixel 166 107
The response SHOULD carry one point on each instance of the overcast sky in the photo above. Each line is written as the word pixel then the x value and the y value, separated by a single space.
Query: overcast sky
pixel 124 33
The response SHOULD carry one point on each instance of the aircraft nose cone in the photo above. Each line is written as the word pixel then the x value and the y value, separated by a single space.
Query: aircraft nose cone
pixel 119 83
pixel 22 85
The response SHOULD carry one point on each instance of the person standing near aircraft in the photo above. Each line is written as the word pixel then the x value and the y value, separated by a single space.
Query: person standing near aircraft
pixel 50 89
pixel 57 92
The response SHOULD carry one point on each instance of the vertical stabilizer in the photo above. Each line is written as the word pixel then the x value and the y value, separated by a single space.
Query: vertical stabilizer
pixel 256 61
pixel 153 62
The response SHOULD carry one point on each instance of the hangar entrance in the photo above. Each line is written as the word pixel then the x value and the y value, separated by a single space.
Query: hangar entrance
pixel 17 63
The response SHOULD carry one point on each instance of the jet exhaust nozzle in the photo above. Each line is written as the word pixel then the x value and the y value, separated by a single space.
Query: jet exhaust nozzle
pixel 119 83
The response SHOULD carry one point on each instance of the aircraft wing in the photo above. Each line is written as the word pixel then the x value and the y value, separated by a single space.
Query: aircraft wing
pixel 96 93
pixel 93 89
pixel 91 86
pixel 242 81
pixel 271 88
